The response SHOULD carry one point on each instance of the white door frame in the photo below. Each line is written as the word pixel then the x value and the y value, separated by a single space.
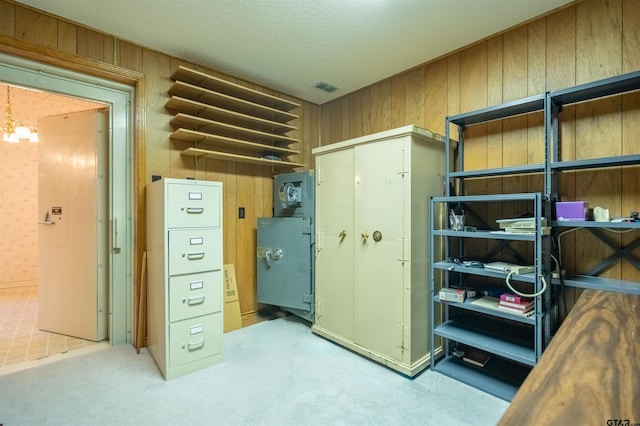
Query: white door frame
pixel 119 98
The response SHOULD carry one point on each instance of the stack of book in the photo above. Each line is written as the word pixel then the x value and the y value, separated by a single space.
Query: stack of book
pixel 476 357
pixel 515 304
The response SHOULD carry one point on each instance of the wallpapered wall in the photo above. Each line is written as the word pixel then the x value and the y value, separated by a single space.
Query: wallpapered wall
pixel 19 184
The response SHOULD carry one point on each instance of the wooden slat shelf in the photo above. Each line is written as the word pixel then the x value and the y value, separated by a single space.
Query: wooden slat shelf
pixel 210 97
pixel 223 129
pixel 215 113
pixel 210 82
pixel 217 155
pixel 226 121
pixel 218 140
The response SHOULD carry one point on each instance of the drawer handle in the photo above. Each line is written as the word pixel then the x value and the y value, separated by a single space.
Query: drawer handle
pixel 195 256
pixel 194 346
pixel 195 300
pixel 195 210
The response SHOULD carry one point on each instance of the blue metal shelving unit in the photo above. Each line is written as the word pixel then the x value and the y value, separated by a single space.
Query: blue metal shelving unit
pixel 515 349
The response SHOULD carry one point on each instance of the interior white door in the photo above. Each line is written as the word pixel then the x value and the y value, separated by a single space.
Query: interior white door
pixel 73 186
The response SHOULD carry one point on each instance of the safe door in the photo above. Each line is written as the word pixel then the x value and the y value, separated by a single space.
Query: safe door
pixel 284 264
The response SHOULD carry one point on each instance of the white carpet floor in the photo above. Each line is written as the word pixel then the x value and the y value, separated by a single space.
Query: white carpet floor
pixel 274 372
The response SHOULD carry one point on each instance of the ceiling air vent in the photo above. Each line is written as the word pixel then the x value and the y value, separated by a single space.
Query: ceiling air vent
pixel 327 87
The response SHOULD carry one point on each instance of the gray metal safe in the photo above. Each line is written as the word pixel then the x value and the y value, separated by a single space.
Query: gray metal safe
pixel 286 243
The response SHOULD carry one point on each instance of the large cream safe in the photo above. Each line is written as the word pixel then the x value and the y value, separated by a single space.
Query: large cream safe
pixel 184 246
pixel 372 197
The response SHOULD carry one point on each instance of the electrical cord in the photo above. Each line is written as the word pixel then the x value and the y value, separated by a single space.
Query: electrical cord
pixel 544 286
pixel 577 228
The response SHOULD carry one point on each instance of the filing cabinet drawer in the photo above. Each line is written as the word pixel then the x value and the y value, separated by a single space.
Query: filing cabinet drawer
pixel 195 338
pixel 194 295
pixel 194 250
pixel 192 206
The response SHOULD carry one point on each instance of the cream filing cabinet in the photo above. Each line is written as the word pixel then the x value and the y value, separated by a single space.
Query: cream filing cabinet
pixel 372 275
pixel 184 255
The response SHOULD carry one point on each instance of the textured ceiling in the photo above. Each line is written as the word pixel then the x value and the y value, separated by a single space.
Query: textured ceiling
pixel 289 45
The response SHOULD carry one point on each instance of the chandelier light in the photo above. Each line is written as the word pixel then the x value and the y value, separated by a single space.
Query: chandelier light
pixel 13 133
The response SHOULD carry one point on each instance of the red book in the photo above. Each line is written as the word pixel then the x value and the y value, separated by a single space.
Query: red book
pixel 514 298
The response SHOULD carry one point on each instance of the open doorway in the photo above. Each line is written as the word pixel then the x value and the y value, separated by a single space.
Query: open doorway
pixel 21 274
pixel 118 98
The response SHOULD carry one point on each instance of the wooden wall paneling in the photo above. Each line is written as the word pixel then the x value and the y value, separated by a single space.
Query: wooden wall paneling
pixel 515 86
pixel 327 112
pixel 332 122
pixel 36 27
pixel 214 170
pixel 398 103
pixel 453 98
pixel 140 228
pixel 630 125
pixel 7 18
pixel 436 102
pixel 561 73
pixel 230 205
pixel 345 119
pixel 598 40
pixel 598 124
pixel 387 105
pixel 494 128
pixel 246 237
pixel 356 108
pixel 376 107
pixel 182 167
pixel 311 132
pixel 130 56
pixel 264 193
pixel 630 36
pixel 153 156
pixel 366 111
pixel 453 89
pixel 536 54
pixel 157 67
pixel 415 97
pixel 515 136
pixel 494 97
pixel 111 50
pixel 561 47
pixel 67 37
pixel 473 95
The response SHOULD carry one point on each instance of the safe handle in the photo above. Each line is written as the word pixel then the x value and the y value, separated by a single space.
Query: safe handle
pixel 272 254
